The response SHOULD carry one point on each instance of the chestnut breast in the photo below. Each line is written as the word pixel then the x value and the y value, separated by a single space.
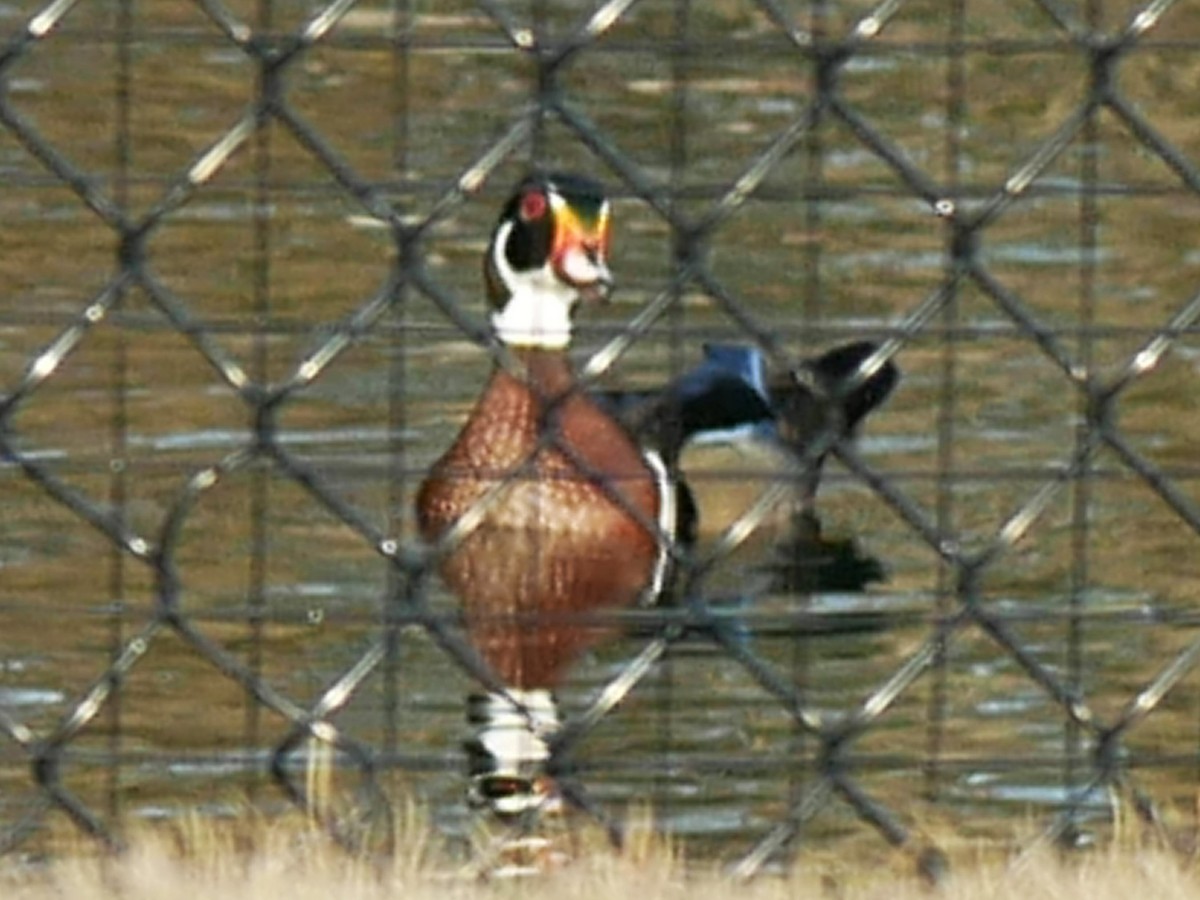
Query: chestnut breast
pixel 561 538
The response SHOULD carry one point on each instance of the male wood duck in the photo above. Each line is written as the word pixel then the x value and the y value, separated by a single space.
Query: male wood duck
pixel 574 508
pixel 731 395
pixel 572 518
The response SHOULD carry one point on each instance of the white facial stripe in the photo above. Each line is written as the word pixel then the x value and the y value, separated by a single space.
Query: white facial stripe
pixel 500 260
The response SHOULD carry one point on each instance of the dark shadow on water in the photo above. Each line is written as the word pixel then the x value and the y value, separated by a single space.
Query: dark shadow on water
pixel 808 562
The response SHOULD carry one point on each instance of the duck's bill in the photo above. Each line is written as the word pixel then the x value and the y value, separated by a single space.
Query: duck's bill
pixel 580 255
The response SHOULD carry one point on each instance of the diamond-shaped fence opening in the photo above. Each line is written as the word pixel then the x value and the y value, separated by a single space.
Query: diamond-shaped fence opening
pixel 243 314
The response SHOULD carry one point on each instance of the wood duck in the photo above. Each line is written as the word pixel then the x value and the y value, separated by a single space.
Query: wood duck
pixel 573 507
pixel 570 518
pixel 731 396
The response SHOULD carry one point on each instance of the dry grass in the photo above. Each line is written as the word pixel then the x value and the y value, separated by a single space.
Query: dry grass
pixel 272 860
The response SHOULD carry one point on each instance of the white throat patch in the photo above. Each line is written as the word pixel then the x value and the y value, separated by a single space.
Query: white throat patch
pixel 536 318
pixel 538 312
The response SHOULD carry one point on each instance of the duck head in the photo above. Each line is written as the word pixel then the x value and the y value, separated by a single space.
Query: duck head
pixel 549 250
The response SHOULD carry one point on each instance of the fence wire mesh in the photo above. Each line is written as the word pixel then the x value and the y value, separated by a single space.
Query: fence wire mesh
pixel 240 245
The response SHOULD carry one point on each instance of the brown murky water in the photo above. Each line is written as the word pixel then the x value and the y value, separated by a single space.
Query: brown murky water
pixel 272 254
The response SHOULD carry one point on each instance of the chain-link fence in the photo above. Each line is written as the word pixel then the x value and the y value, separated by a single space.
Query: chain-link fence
pixel 241 316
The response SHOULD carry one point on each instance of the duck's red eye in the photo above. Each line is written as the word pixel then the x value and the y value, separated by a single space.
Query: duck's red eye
pixel 533 206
